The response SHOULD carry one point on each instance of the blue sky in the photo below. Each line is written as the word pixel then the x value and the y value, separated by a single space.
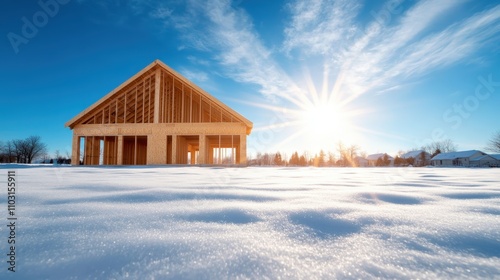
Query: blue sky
pixel 385 75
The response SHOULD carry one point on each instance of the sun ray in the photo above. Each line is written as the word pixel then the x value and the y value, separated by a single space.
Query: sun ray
pixel 388 135
pixel 319 116
pixel 291 137
pixel 324 89
pixel 311 89
pixel 278 125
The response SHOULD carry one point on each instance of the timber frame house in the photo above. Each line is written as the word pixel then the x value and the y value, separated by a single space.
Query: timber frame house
pixel 158 117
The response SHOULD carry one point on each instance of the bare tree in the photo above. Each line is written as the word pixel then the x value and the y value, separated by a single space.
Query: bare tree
pixel 352 153
pixel 3 155
pixel 494 143
pixel 363 154
pixel 444 146
pixel 25 151
pixel 10 151
pixel 343 153
pixel 331 159
pixel 34 148
pixel 19 150
pixel 60 159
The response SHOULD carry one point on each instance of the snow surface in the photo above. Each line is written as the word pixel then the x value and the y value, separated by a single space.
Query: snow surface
pixel 216 223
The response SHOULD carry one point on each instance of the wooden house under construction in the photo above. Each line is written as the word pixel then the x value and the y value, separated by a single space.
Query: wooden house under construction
pixel 159 117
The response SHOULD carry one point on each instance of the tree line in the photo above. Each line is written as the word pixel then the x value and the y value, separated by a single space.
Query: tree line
pixel 22 150
pixel 347 156
pixel 32 148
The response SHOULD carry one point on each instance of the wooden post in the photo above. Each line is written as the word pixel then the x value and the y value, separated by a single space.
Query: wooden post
pixel 157 96
pixel 135 150
pixel 174 149
pixel 182 104
pixel 120 150
pixel 75 152
pixel 202 154
pixel 125 108
pixel 191 106
pixel 173 99
pixel 243 149
pixel 135 106
pixel 219 161
pixel 149 102
pixel 143 101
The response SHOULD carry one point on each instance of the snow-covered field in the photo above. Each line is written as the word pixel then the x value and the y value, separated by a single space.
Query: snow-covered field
pixel 216 223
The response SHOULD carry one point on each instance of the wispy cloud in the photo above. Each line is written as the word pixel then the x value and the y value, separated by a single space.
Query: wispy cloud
pixel 198 61
pixel 319 26
pixel 369 55
pixel 194 75
pixel 228 34
pixel 453 44
pixel 387 54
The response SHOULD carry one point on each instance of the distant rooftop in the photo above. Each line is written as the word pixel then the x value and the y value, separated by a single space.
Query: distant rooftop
pixel 377 156
pixel 412 154
pixel 496 156
pixel 455 155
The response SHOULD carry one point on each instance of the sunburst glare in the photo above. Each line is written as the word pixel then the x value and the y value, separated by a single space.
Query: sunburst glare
pixel 322 118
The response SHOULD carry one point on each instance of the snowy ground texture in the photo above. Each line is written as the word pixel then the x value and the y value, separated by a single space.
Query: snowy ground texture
pixel 217 223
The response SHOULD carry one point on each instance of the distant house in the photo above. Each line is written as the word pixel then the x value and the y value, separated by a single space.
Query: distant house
pixel 496 156
pixel 462 158
pixel 485 161
pixel 361 161
pixel 374 158
pixel 417 156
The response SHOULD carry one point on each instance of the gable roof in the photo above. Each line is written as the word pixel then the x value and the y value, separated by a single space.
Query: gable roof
pixel 414 154
pixel 360 158
pixel 155 64
pixel 455 155
pixel 484 157
pixel 495 156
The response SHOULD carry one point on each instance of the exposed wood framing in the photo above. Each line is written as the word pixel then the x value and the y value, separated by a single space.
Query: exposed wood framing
pixel 159 117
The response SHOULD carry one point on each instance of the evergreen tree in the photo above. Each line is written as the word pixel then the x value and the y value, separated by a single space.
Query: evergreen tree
pixel 399 161
pixel 321 159
pixel 436 152
pixel 277 159
pixel 423 159
pixel 302 161
pixel 294 159
pixel 331 159
pixel 386 160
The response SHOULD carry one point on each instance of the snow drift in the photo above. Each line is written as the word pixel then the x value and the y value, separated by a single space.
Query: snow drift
pixel 192 222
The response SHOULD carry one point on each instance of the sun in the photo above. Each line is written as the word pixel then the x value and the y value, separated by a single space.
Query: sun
pixel 325 121
pixel 321 118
